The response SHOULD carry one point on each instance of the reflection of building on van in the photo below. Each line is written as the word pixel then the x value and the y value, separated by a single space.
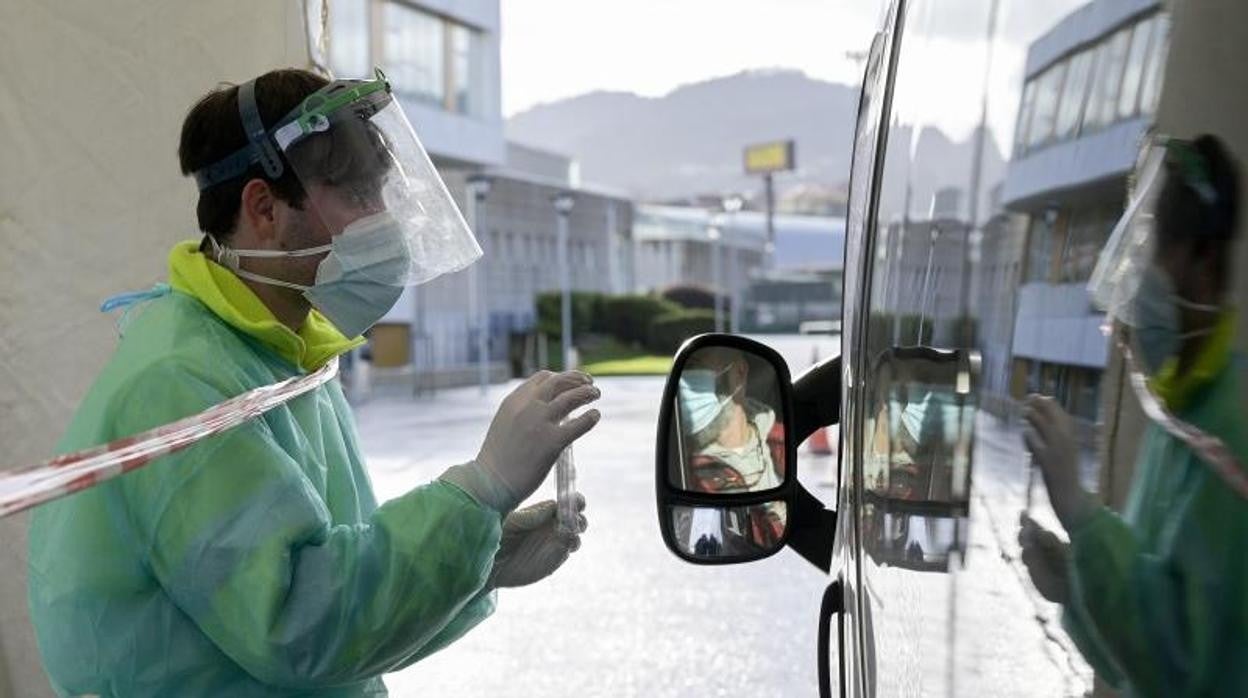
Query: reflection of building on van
pixel 926 289
pixel 1091 87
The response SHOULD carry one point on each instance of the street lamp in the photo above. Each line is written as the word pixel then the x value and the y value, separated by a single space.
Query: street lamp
pixel 563 202
pixel 713 232
pixel 478 187
pixel 733 203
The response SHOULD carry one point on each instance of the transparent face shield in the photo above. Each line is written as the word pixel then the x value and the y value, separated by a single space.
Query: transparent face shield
pixel 1128 255
pixel 371 183
pixel 368 180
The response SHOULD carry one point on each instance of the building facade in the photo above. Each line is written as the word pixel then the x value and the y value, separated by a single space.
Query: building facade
pixel 442 57
pixel 1091 88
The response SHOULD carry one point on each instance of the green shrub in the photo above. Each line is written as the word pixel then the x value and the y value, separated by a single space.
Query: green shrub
pixel 628 318
pixel 668 332
pixel 586 307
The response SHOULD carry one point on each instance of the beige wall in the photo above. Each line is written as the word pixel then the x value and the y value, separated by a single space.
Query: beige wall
pixel 1205 91
pixel 92 95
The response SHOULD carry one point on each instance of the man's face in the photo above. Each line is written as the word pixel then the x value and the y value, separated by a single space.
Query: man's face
pixel 326 212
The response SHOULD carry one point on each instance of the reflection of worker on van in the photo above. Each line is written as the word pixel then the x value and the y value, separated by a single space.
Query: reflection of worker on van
pixel 1157 597
pixel 735 443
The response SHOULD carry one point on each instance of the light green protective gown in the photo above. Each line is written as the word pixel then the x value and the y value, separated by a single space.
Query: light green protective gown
pixel 256 562
pixel 1160 594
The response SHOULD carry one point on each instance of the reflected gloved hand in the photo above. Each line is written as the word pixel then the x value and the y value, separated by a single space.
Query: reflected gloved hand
pixel 525 438
pixel 532 547
pixel 1045 556
pixel 1051 438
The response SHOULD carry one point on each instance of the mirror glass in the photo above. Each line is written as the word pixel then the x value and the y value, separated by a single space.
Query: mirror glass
pixel 917 473
pixel 729 532
pixel 727 426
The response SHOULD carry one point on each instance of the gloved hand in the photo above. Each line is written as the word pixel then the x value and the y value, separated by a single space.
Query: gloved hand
pixel 1046 558
pixel 532 547
pixel 526 437
pixel 1051 438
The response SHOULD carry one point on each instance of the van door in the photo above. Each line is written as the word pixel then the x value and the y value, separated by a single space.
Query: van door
pixel 964 219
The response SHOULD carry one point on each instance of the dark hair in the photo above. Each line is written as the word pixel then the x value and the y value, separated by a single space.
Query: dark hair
pixel 1199 202
pixel 1200 196
pixel 213 130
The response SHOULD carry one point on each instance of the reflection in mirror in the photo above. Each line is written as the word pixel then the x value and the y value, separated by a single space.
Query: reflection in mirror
pixel 727 429
pixel 729 532
pixel 917 474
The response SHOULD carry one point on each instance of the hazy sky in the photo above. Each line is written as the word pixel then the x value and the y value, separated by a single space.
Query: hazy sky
pixel 552 49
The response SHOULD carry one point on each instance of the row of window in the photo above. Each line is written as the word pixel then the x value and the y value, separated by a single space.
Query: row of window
pixel 1116 78
pixel 427 57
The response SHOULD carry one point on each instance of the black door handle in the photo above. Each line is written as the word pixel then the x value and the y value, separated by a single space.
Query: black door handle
pixel 833 605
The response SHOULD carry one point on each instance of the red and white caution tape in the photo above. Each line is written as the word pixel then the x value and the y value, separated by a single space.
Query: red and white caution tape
pixel 23 488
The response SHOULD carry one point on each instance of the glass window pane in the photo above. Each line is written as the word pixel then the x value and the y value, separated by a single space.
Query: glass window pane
pixel 1103 103
pixel 414 53
pixel 1044 115
pixel 348 39
pixel 1074 93
pixel 1135 68
pixel 1024 117
pixel 1150 91
pixel 1039 250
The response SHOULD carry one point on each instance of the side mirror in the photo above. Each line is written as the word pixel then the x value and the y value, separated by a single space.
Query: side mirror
pixel 919 436
pixel 726 456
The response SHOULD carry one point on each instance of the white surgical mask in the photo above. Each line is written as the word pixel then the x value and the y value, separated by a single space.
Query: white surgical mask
pixel 358 282
pixel 1156 328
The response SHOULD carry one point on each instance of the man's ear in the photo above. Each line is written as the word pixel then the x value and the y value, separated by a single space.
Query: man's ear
pixel 256 210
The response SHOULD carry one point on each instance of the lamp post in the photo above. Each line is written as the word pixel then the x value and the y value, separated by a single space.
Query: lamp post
pixel 732 204
pixel 478 187
pixel 563 202
pixel 713 232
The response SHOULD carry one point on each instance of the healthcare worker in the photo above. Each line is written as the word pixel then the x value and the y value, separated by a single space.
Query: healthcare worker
pixel 257 562
pixel 1156 597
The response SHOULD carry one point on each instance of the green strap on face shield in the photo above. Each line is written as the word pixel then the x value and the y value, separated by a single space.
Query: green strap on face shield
pixel 313 115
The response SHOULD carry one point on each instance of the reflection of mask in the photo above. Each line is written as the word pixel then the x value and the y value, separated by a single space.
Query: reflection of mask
pixel 700 404
pixel 1157 333
pixel 357 283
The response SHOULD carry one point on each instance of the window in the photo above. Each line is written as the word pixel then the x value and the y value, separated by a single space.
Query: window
pixel 348 39
pixel 1128 99
pixel 1074 94
pixel 1086 234
pixel 414 53
pixel 1024 117
pixel 465 70
pixel 1150 89
pixel 1039 249
pixel 1048 90
pixel 1103 102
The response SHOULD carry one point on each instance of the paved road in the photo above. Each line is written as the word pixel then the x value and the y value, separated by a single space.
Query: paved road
pixel 625 617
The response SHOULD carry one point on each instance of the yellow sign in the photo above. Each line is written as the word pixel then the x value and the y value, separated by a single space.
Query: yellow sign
pixel 769 157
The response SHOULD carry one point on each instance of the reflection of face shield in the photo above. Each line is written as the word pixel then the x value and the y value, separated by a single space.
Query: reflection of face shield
pixel 1127 283
pixel 1128 254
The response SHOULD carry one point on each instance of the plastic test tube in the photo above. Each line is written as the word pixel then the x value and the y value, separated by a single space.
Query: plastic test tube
pixel 565 496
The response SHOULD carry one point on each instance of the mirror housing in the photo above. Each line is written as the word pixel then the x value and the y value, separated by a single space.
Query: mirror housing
pixel 704 526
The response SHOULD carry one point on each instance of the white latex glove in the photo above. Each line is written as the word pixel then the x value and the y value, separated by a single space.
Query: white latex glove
pixel 1054 445
pixel 526 437
pixel 532 547
pixel 1045 556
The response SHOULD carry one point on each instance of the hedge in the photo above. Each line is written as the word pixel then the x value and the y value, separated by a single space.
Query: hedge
pixel 668 332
